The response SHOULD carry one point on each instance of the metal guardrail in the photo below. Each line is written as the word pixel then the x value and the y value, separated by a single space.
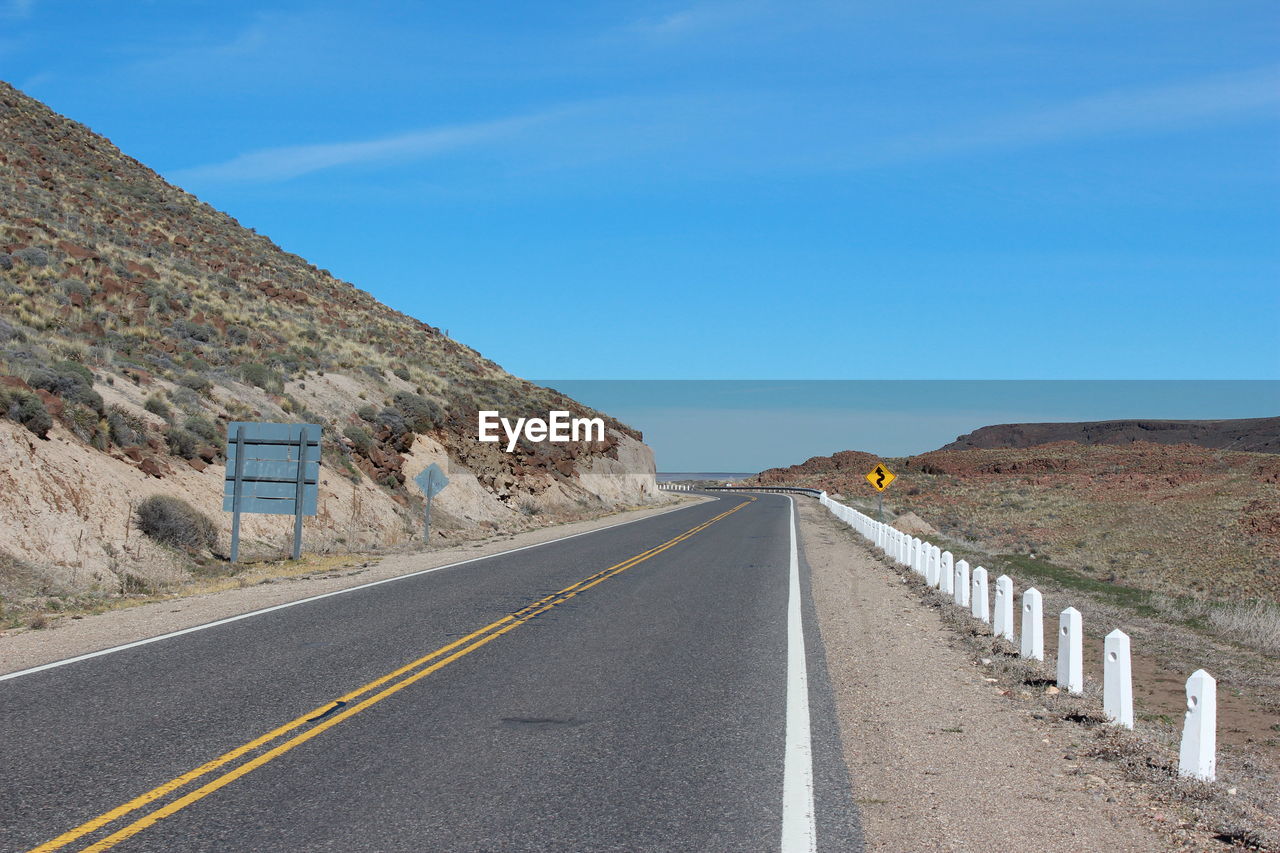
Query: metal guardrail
pixel 795 489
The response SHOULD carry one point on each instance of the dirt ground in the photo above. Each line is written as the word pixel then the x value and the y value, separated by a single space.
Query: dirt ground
pixel 268 585
pixel 940 757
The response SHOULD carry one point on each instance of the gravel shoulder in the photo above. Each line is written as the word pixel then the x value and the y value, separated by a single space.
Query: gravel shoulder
pixel 267 586
pixel 939 758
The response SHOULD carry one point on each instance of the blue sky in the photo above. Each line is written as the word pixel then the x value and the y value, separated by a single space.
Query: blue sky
pixel 647 190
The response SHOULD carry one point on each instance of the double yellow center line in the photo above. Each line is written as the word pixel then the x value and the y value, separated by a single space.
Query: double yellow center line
pixel 325 718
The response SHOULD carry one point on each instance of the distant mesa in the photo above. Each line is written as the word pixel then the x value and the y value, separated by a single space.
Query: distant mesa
pixel 1252 435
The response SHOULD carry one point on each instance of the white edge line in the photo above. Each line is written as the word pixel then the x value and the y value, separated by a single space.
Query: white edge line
pixel 229 619
pixel 799 830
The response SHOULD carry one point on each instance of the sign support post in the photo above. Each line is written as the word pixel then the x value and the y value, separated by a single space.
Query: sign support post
pixel 880 477
pixel 426 524
pixel 235 500
pixel 300 488
pixel 431 480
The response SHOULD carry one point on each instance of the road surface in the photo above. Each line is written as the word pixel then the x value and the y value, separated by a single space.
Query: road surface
pixel 641 687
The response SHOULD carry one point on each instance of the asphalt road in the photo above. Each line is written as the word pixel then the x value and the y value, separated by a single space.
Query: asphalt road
pixel 625 690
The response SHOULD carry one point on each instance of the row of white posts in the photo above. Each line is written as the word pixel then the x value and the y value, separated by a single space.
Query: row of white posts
pixel 674 487
pixel 1198 754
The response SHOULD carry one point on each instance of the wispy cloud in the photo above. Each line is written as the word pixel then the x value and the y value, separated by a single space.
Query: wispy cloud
pixel 1106 114
pixel 733 133
pixel 266 47
pixel 695 19
pixel 283 163
pixel 17 8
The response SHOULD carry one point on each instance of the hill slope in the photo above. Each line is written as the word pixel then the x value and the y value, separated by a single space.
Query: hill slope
pixel 1166 518
pixel 1256 435
pixel 135 321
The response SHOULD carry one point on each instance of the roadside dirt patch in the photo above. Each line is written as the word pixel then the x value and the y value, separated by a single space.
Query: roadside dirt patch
pixel 914 525
pixel 940 758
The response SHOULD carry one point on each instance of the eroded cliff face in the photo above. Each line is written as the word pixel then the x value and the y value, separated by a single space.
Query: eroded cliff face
pixel 67 510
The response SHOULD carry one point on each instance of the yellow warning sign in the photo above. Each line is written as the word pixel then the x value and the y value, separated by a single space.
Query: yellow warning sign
pixel 881 477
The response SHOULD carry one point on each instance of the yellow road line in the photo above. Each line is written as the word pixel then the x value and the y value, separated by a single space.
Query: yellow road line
pixel 507 623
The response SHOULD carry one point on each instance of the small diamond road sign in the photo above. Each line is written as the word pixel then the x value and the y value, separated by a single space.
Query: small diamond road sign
pixel 431 480
pixel 880 477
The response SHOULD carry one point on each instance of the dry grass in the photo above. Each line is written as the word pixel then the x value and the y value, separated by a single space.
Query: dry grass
pixel 1174 519
pixel 1255 624
pixel 41 612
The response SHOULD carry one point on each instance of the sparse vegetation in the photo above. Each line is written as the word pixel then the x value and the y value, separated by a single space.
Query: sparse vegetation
pixel 125 429
pixel 68 380
pixel 172 521
pixel 183 442
pixel 156 405
pixel 27 409
pixel 32 256
pixel 420 414
pixel 261 376
pixel 205 429
pixel 360 438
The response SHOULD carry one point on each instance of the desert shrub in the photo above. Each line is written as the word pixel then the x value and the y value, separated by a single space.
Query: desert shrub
pixel 260 375
pixel 360 438
pixel 31 256
pixel 421 414
pixel 82 421
pixel 183 328
pixel 156 405
pixel 6 261
pixel 72 368
pixel 7 332
pixel 27 409
pixel 393 421
pixel 237 334
pixel 85 396
pixel 173 521
pixel 70 381
pixel 194 363
pixel 125 429
pixel 185 399
pixel 183 442
pixel 72 285
pixel 368 413
pixel 196 382
pixel 205 428
pixel 402 372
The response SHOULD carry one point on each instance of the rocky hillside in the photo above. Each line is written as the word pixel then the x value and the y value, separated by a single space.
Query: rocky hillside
pixel 1167 518
pixel 137 320
pixel 1256 435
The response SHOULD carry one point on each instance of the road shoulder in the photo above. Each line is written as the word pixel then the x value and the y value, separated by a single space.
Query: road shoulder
pixel 939 760
pixel 71 637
